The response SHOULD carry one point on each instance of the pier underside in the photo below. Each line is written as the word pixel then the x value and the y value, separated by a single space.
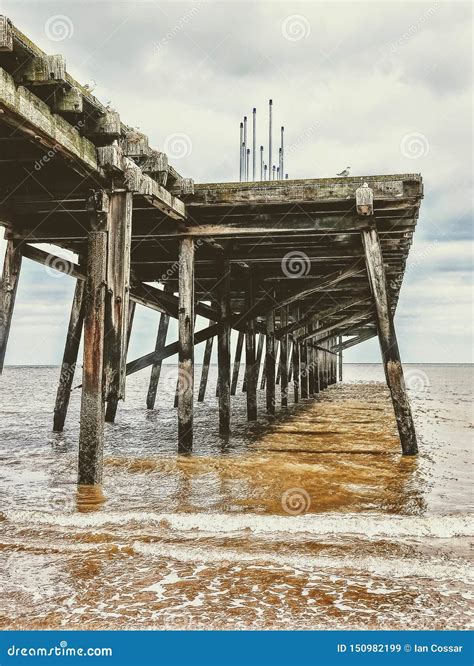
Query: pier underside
pixel 311 267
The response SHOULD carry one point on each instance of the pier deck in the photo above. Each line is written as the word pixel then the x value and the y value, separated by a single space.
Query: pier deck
pixel 312 266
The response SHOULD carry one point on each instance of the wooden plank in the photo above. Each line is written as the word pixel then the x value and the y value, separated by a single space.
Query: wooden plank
pixel 296 370
pixel 68 366
pixel 340 358
pixel 223 344
pixel 237 359
pixel 156 367
pixel 186 345
pixel 304 370
pixel 91 434
pixel 112 403
pixel 388 342
pixel 8 289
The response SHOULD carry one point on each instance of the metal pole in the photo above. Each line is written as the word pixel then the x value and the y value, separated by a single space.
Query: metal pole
pixel 273 172
pixel 278 173
pixel 240 148
pixel 282 150
pixel 245 148
pixel 261 162
pixel 280 170
pixel 265 172
pixel 270 107
pixel 254 141
pixel 247 169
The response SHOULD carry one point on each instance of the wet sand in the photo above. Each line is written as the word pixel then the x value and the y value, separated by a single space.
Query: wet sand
pixel 309 520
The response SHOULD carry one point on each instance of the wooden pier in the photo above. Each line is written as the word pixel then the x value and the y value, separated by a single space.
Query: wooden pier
pixel 308 267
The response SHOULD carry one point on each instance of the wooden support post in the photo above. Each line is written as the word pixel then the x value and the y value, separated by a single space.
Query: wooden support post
pixel 91 433
pixel 112 403
pixel 8 289
pixel 340 359
pixel 119 235
pixel 258 360
pixel 156 368
pixel 223 345
pixel 176 391
pixel 71 349
pixel 317 369
pixel 290 357
pixel 270 361
pixel 186 345
pixel 238 356
pixel 250 363
pixel 388 341
pixel 284 359
pixel 296 371
pixel 311 355
pixel 205 366
pixel 304 370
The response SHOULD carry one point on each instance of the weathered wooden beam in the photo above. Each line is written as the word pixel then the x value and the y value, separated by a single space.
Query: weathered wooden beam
pixel 91 434
pixel 112 403
pixel 6 34
pixel 223 344
pixel 205 365
pixel 251 372
pixel 361 337
pixel 186 345
pixel 284 358
pixel 68 366
pixel 44 70
pixel 296 370
pixel 270 360
pixel 237 359
pixel 156 367
pixel 119 230
pixel 311 352
pixel 340 358
pixel 388 342
pixel 8 289
pixel 304 370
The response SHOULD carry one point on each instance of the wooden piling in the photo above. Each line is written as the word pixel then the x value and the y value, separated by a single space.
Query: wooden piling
pixel 296 371
pixel 205 366
pixel 71 348
pixel 112 402
pixel 223 345
pixel 340 359
pixel 186 345
pixel 8 289
pixel 304 370
pixel 156 367
pixel 388 341
pixel 119 226
pixel 237 359
pixel 284 358
pixel 91 433
pixel 250 361
pixel 270 361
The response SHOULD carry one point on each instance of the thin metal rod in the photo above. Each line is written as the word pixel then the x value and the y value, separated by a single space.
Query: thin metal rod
pixel 265 177
pixel 282 151
pixel 240 149
pixel 270 108
pixel 280 171
pixel 261 162
pixel 245 149
pixel 247 166
pixel 254 141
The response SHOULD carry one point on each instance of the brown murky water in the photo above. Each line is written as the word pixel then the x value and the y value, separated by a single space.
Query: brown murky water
pixel 309 520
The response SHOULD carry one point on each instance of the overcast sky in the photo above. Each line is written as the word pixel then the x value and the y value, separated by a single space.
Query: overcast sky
pixel 383 86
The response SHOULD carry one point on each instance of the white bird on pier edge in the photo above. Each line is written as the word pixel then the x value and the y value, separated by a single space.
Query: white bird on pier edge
pixel 345 172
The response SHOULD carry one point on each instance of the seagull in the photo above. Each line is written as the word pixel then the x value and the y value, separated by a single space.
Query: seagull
pixel 345 172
